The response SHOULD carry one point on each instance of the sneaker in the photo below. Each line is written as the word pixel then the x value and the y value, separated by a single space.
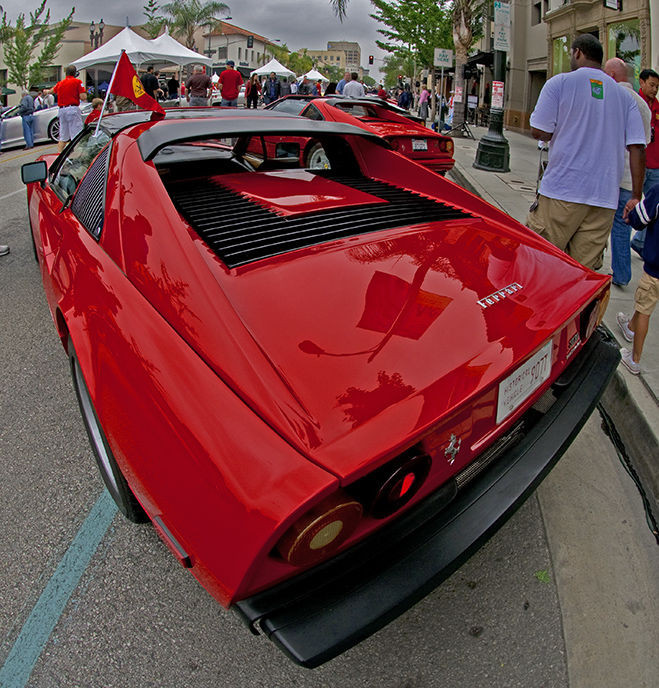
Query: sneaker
pixel 4 250
pixel 628 362
pixel 623 324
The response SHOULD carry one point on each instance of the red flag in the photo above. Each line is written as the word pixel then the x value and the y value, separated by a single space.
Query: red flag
pixel 126 83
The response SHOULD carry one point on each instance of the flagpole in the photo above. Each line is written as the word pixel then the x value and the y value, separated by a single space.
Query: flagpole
pixel 107 95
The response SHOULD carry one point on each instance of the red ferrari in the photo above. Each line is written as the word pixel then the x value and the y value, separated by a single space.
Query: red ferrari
pixel 406 134
pixel 325 388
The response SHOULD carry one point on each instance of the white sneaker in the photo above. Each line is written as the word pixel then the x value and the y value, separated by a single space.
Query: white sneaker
pixel 628 362
pixel 623 324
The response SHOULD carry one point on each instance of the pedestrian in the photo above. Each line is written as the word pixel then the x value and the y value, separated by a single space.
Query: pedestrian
pixel 26 111
pixel 97 106
pixel 341 85
pixel 588 120
pixel 69 92
pixel 230 83
pixel 150 83
pixel 173 86
pixel 423 103
pixel 285 88
pixel 293 86
pixel 621 257
pixel 253 91
pixel 331 89
pixel 305 89
pixel 649 81
pixel 405 98
pixel 353 88
pixel 643 216
pixel 198 88
pixel 271 89
pixel 382 93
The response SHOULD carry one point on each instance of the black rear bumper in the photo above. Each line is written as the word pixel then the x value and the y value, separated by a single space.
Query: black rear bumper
pixel 328 609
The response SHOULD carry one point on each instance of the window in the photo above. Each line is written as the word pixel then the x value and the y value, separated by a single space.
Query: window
pixel 561 61
pixel 536 13
pixel 222 52
pixel 624 41
pixel 239 51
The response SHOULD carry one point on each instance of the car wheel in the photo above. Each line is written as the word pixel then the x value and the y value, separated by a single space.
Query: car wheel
pixel 112 476
pixel 316 158
pixel 53 129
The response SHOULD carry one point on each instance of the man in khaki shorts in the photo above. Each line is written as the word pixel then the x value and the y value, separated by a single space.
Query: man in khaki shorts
pixel 645 214
pixel 588 120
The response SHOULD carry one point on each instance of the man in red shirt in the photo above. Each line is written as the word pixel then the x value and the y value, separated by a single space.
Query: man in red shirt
pixel 649 80
pixel 230 83
pixel 70 92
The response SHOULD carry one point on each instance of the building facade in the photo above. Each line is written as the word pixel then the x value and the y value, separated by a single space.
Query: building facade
pixel 247 49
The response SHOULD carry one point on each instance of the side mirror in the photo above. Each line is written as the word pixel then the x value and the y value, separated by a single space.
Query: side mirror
pixel 34 172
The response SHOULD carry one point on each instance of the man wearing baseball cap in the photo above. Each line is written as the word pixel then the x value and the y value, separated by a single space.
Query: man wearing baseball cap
pixel 230 82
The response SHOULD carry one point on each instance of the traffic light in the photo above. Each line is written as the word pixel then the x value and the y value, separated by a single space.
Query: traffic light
pixel 370 59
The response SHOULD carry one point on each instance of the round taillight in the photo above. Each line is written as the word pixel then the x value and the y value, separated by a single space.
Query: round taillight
pixel 394 144
pixel 321 531
pixel 449 146
pixel 401 485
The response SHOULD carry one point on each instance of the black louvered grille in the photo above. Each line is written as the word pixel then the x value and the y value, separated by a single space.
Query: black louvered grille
pixel 240 231
pixel 89 201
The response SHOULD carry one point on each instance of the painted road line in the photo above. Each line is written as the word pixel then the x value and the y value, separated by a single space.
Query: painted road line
pixel 20 662
pixel 13 193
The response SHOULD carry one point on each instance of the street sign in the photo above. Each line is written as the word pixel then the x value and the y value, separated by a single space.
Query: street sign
pixel 501 26
pixel 443 57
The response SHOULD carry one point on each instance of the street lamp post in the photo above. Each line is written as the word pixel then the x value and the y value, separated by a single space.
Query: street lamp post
pixel 96 37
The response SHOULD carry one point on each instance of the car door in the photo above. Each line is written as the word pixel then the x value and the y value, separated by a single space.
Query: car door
pixel 12 128
pixel 71 212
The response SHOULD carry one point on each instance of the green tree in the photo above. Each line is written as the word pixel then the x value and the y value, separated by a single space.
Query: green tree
pixel 414 28
pixel 299 62
pixel 155 22
pixel 21 42
pixel 185 17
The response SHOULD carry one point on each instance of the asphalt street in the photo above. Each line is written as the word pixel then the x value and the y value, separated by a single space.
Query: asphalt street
pixel 134 617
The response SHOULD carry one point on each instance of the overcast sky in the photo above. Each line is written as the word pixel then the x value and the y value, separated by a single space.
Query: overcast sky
pixel 299 24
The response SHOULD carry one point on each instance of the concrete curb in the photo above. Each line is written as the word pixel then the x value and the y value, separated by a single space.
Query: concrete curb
pixel 635 414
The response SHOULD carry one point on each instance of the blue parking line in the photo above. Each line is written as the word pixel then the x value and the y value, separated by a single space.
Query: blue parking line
pixel 20 662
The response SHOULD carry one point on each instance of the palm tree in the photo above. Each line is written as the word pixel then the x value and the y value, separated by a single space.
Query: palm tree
pixel 187 16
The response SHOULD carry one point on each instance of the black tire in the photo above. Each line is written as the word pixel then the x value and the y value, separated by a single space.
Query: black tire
pixel 111 473
pixel 53 129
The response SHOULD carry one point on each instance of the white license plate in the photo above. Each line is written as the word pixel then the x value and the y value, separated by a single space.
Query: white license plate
pixel 419 144
pixel 519 386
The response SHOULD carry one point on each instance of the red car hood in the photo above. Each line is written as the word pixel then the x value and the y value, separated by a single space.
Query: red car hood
pixel 351 348
pixel 372 339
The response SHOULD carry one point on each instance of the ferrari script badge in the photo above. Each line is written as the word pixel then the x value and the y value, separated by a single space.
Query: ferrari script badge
pixel 453 448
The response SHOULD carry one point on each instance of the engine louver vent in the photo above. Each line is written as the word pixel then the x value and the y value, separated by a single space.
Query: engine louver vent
pixel 89 201
pixel 240 231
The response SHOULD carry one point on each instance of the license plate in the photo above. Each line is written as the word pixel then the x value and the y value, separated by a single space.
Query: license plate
pixel 519 386
pixel 419 144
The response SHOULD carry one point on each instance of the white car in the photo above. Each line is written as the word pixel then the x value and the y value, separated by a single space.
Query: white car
pixel 46 125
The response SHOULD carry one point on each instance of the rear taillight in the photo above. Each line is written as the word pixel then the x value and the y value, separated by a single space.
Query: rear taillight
pixel 392 486
pixel 321 531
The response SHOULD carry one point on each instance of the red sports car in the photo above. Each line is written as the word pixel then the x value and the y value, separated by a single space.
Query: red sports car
pixel 325 388
pixel 406 134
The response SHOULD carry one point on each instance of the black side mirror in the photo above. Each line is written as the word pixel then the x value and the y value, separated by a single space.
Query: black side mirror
pixel 34 172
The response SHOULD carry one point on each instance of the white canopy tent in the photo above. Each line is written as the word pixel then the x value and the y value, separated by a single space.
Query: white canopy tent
pixel 314 75
pixel 273 66
pixel 140 51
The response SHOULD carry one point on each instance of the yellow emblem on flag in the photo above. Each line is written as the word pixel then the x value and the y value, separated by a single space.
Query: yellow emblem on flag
pixel 138 89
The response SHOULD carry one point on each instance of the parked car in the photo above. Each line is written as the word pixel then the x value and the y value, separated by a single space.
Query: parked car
pixel 46 125
pixel 326 388
pixel 216 98
pixel 405 134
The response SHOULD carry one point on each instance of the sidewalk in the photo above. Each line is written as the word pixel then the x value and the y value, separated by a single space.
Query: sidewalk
pixel 631 401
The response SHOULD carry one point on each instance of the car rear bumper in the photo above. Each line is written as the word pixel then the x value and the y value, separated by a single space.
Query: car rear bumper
pixel 322 612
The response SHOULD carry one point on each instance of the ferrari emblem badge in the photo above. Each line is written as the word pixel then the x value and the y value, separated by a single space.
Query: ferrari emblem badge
pixel 453 448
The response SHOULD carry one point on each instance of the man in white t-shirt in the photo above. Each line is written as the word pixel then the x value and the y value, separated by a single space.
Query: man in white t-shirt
pixel 588 120
pixel 353 88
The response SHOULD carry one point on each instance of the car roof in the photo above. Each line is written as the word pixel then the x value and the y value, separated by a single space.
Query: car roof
pixel 214 123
